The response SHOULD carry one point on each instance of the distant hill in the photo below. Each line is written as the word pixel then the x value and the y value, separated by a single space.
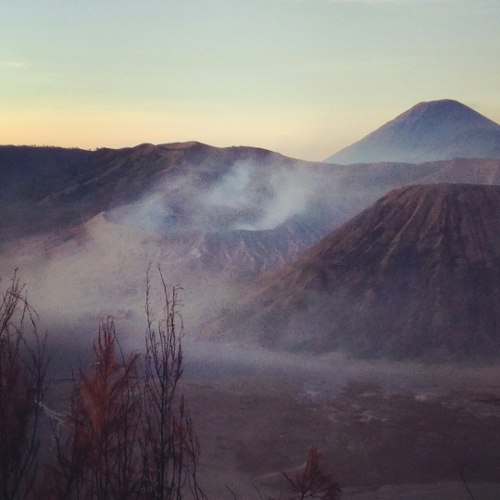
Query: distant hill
pixel 49 188
pixel 430 131
pixel 416 275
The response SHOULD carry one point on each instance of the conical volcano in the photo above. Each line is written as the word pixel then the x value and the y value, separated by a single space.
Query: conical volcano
pixel 429 131
pixel 416 275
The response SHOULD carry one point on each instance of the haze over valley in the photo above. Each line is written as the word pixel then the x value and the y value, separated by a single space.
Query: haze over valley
pixel 350 307
pixel 249 249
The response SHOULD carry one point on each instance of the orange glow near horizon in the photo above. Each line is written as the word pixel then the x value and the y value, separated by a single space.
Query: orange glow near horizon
pixel 92 128
pixel 304 78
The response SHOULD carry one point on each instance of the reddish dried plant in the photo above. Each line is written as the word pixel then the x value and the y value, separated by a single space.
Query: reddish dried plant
pixel 99 458
pixel 315 479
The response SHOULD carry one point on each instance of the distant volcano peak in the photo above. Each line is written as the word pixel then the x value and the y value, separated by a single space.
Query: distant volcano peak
pixel 444 110
pixel 441 104
pixel 429 131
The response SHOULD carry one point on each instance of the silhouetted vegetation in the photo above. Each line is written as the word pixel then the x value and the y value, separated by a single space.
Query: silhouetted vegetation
pixel 128 434
pixel 170 447
pixel 22 387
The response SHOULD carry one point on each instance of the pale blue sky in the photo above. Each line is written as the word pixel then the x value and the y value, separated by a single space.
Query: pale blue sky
pixel 303 77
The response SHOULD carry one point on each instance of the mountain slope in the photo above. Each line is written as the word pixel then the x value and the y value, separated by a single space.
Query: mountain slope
pixel 415 275
pixel 436 130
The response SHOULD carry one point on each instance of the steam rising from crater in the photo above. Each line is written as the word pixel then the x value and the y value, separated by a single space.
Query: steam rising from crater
pixel 190 221
pixel 247 196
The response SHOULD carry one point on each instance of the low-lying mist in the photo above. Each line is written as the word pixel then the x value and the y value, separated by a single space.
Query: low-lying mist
pixel 213 231
pixel 320 376
pixel 206 229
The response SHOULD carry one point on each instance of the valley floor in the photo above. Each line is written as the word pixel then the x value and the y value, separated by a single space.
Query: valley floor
pixel 440 490
pixel 390 430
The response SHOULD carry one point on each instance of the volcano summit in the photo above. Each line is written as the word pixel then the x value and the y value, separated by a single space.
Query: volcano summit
pixel 430 131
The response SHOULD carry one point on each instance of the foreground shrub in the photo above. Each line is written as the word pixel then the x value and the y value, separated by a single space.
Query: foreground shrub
pixel 128 434
pixel 22 386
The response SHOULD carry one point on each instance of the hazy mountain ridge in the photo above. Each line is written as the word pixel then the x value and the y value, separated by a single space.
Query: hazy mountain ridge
pixel 238 210
pixel 71 186
pixel 215 218
pixel 429 131
pixel 52 188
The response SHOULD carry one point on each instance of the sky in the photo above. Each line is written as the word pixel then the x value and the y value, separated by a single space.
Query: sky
pixel 301 77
